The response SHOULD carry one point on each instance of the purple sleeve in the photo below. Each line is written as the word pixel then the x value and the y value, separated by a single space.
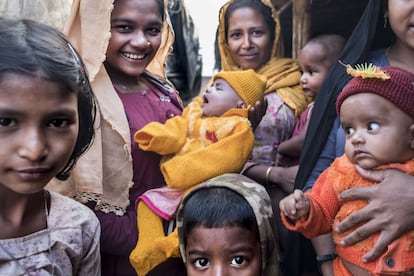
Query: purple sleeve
pixel 119 233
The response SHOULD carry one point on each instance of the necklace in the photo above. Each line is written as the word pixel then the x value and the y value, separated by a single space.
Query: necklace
pixel 33 270
pixel 125 89
pixel 136 86
pixel 143 89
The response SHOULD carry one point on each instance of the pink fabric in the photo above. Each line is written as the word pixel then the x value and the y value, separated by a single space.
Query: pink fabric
pixel 304 117
pixel 276 126
pixel 163 201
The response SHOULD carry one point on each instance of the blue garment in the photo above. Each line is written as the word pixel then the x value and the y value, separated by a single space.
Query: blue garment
pixel 335 145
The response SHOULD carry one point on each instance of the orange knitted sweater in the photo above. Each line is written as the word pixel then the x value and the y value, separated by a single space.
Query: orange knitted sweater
pixel 326 211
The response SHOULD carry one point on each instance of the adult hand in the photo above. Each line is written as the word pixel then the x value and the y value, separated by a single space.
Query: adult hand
pixel 257 112
pixel 282 160
pixel 284 177
pixel 390 210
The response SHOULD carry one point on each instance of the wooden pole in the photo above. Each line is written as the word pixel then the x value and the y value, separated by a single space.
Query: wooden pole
pixel 279 3
pixel 301 24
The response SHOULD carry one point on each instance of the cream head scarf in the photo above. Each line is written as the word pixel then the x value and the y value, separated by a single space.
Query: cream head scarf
pixel 282 73
pixel 52 12
pixel 104 173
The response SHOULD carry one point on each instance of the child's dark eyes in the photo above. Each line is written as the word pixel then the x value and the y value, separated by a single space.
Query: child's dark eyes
pixel 310 71
pixel 201 262
pixel 373 126
pixel 58 123
pixel 218 88
pixel 238 260
pixel 154 31
pixel 348 130
pixel 54 123
pixel 123 28
pixel 7 122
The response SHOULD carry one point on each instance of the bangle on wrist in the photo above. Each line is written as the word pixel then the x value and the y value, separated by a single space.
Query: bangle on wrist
pixel 325 258
pixel 268 171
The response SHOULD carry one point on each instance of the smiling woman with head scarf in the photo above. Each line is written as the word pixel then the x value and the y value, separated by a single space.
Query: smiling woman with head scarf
pixel 124 44
pixel 282 73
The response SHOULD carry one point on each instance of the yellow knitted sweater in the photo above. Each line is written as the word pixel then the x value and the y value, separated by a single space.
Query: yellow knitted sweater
pixel 197 148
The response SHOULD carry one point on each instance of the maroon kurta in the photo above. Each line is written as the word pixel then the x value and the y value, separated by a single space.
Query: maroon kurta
pixel 119 233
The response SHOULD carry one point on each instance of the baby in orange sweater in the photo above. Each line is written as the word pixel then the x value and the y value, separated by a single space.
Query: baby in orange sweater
pixel 376 110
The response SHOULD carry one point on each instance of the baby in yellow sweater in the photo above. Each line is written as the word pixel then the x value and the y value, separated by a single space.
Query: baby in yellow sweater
pixel 212 137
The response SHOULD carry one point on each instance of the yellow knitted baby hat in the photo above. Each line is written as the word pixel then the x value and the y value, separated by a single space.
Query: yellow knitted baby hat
pixel 247 84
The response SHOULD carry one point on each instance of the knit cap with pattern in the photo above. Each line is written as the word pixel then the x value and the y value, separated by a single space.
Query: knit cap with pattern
pixel 398 89
pixel 247 84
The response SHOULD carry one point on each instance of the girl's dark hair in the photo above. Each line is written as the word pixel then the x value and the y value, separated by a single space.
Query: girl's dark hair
pixel 216 207
pixel 35 49
pixel 160 4
pixel 264 10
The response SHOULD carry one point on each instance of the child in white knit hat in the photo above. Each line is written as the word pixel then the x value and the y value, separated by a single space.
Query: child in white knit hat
pixel 212 137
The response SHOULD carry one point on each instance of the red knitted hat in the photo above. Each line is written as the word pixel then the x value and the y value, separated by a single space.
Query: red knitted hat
pixel 398 88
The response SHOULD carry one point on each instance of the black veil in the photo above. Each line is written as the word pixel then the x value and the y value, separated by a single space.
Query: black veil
pixel 370 33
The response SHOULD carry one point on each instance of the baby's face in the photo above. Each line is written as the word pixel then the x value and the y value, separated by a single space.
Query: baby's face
pixel 377 132
pixel 314 67
pixel 223 251
pixel 219 98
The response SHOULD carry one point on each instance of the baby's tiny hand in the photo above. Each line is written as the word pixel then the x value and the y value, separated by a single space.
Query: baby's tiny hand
pixel 295 205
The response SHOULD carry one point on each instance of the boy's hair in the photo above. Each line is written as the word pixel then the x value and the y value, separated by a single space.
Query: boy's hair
pixel 35 49
pixel 231 200
pixel 216 207
pixel 332 44
pixel 160 4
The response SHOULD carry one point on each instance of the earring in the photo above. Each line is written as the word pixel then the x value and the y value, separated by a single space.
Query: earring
pixel 385 19
pixel 148 43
